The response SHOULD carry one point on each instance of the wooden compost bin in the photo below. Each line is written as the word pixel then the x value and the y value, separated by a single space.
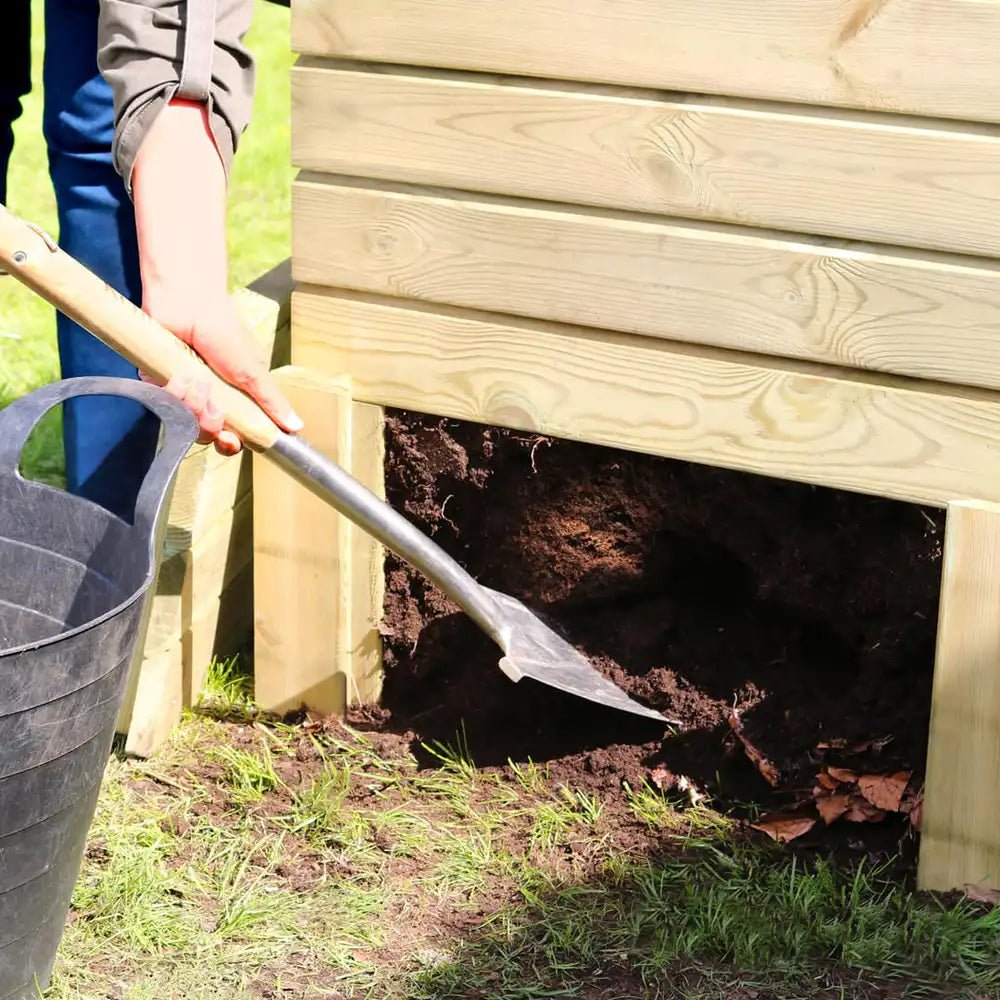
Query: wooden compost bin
pixel 757 236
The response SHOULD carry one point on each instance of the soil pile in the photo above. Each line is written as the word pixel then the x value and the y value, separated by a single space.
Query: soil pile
pixel 810 611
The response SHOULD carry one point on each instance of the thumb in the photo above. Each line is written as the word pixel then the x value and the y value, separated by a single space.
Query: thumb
pixel 258 383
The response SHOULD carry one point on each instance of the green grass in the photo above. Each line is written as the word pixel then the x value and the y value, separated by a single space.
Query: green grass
pixel 259 220
pixel 228 691
pixel 312 862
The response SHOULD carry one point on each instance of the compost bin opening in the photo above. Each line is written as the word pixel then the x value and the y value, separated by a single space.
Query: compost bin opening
pixel 811 610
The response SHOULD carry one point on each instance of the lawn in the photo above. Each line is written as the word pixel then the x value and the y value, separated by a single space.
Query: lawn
pixel 253 858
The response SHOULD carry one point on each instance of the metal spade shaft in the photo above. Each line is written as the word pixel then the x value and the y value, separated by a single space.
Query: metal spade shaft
pixel 531 648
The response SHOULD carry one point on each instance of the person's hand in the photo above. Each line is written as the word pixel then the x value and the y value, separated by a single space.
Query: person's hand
pixel 179 187
pixel 216 332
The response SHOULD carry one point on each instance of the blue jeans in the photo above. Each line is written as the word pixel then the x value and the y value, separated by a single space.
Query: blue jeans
pixel 109 441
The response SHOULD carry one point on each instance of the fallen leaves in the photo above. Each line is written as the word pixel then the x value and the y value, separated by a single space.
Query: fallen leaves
pixel 841 774
pixel 885 791
pixel 982 894
pixel 785 828
pixel 859 794
pixel 852 783
pixel 832 807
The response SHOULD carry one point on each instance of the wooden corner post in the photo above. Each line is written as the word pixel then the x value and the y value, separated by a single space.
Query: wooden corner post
pixel 959 843
pixel 317 579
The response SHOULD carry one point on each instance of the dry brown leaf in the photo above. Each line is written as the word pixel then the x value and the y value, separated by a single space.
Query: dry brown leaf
pixel 917 813
pixel 785 828
pixel 884 791
pixel 832 745
pixel 827 781
pixel 767 770
pixel 862 811
pixel 833 807
pixel 982 894
pixel 842 774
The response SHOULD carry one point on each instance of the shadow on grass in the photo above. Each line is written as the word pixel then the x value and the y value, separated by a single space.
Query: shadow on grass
pixel 717 920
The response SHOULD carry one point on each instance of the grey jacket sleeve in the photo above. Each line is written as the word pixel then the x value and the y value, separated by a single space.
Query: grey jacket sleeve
pixel 151 51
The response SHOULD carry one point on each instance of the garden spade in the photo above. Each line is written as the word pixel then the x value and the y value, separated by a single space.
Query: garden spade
pixel 530 647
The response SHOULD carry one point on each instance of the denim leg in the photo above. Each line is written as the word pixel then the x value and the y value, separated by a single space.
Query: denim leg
pixel 109 441
pixel 15 76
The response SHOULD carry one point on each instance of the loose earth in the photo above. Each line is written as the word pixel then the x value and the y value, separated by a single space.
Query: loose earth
pixel 810 612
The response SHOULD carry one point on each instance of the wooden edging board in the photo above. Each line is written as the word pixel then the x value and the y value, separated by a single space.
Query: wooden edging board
pixel 917 441
pixel 926 57
pixel 852 175
pixel 924 315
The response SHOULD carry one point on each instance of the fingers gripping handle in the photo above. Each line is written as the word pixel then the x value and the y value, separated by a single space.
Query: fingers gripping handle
pixel 34 260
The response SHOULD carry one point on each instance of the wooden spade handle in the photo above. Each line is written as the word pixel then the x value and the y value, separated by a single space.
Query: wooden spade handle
pixel 35 260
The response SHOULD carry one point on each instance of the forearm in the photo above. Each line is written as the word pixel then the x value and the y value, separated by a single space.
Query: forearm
pixel 179 188
pixel 183 86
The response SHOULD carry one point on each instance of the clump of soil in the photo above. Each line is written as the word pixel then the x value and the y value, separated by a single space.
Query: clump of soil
pixel 698 590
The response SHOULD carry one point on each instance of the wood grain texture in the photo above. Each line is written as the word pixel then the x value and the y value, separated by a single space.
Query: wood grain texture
pixel 192 579
pixel 367 559
pixel 960 837
pixel 932 57
pixel 207 486
pixel 872 434
pixel 928 317
pixel 887 180
pixel 302 565
pixel 183 617
pixel 167 684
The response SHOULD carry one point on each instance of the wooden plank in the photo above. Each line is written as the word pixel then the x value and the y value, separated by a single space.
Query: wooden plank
pixel 960 836
pixel 223 628
pixel 207 486
pixel 930 57
pixel 264 303
pixel 927 316
pixel 191 579
pixel 921 442
pixel 166 686
pixel 302 565
pixel 207 489
pixel 183 625
pixel 367 559
pixel 854 176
